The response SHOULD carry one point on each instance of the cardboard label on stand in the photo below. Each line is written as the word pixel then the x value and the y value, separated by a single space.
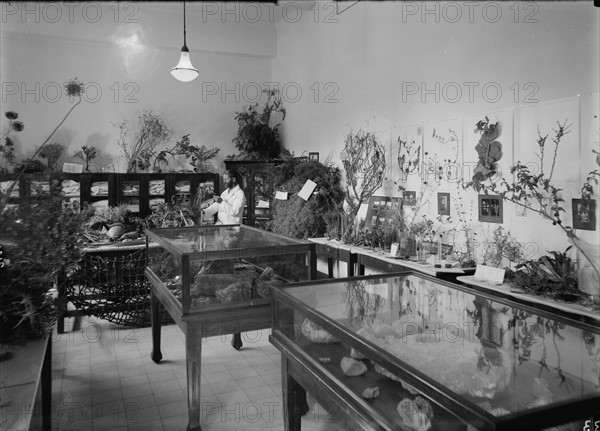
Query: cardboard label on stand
pixel 489 274
pixel 307 189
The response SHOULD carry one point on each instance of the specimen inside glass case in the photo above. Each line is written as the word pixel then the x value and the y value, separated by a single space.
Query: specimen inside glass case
pixel 499 356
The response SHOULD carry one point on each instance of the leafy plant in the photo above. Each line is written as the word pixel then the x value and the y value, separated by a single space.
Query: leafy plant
pixel 305 219
pixel 150 133
pixel 256 138
pixel 196 155
pixel 40 240
pixel 502 246
pixel 87 154
pixel 52 153
pixel 554 275
pixel 364 163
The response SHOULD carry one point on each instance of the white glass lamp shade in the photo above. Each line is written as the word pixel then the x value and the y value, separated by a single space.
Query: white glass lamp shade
pixel 184 71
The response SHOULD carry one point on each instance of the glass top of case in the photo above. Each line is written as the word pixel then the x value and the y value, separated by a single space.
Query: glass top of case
pixel 198 239
pixel 501 357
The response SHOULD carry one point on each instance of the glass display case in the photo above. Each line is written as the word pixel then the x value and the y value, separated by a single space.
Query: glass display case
pixel 408 351
pixel 216 280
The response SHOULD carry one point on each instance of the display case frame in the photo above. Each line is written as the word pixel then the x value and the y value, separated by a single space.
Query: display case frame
pixel 217 319
pixel 301 371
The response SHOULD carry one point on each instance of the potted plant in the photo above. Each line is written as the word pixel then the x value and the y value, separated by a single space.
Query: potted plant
pixel 257 137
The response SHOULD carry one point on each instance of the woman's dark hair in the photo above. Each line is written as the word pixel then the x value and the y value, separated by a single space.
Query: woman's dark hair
pixel 238 178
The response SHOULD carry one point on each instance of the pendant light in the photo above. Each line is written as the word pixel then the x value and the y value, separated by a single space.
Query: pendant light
pixel 184 71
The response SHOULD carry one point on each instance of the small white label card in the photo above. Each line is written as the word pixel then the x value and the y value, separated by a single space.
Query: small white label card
pixel 489 274
pixel 307 189
pixel 394 249
pixel 282 196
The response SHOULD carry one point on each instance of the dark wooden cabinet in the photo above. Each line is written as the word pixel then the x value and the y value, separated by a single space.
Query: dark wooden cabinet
pixel 140 192
pixel 258 187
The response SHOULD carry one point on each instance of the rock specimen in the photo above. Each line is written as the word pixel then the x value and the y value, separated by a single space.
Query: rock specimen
pixel 237 291
pixel 352 367
pixel 370 393
pixel 202 301
pixel 454 364
pixel 493 409
pixel 416 413
pixel 208 284
pixel 355 354
pixel 316 334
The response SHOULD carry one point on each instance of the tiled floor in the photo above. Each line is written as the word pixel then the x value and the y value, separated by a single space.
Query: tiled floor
pixel 104 379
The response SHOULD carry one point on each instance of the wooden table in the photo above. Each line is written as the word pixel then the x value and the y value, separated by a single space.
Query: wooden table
pixel 192 245
pixel 26 385
pixel 335 251
pixel 365 257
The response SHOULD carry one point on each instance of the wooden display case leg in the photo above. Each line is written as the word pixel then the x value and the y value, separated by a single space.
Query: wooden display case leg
pixel 236 341
pixel 294 399
pixel 47 387
pixel 193 353
pixel 155 307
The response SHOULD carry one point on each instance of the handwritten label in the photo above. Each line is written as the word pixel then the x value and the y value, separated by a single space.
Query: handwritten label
pixel 489 274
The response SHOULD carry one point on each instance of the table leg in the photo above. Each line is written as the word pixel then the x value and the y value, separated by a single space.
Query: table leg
pixel 294 399
pixel 155 307
pixel 330 267
pixel 236 341
pixel 193 353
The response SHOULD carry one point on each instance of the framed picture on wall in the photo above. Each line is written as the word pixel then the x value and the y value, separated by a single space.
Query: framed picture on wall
pixel 490 209
pixel 313 157
pixel 381 210
pixel 409 198
pixel 443 200
pixel 584 214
